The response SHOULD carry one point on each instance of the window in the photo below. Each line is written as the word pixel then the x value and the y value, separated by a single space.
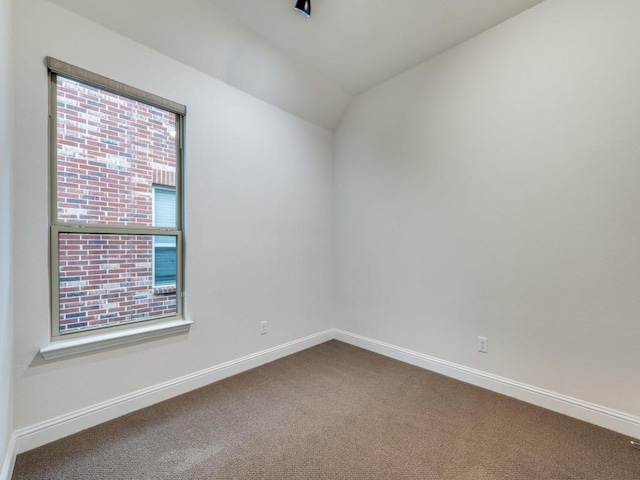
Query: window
pixel 164 249
pixel 116 199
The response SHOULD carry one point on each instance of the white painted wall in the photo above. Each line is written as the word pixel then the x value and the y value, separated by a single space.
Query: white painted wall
pixel 6 283
pixel 198 33
pixel 258 208
pixel 6 153
pixel 493 191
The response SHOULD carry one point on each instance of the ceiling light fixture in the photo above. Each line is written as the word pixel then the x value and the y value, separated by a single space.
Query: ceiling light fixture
pixel 303 7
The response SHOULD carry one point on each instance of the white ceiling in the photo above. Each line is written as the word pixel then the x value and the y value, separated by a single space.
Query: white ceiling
pixel 360 43
pixel 310 67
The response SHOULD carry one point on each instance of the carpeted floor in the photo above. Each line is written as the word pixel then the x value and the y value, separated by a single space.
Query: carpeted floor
pixel 338 412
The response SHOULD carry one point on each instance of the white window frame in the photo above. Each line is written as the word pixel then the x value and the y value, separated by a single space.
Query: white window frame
pixel 71 343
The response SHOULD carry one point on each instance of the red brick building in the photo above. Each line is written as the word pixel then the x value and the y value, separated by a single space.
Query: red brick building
pixel 116 166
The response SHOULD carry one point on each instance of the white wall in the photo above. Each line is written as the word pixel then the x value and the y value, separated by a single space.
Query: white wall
pixel 6 283
pixel 258 209
pixel 493 190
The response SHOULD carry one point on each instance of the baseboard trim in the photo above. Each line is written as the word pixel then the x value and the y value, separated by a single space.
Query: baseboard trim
pixel 9 460
pixel 50 430
pixel 68 424
pixel 589 412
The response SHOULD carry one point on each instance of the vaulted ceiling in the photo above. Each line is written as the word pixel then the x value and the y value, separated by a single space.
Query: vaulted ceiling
pixel 359 43
pixel 310 67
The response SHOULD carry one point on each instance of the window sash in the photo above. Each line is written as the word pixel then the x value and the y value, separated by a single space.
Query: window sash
pixel 53 154
pixel 55 283
pixel 58 227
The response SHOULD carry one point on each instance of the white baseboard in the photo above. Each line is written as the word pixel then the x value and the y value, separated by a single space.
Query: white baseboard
pixel 589 412
pixel 64 425
pixel 59 427
pixel 9 460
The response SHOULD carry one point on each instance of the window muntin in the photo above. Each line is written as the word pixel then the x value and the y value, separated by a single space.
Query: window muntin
pixel 111 144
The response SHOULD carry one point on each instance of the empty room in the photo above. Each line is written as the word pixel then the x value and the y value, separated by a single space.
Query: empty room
pixel 320 239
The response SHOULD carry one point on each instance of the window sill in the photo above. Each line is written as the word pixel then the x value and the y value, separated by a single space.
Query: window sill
pixel 164 290
pixel 76 346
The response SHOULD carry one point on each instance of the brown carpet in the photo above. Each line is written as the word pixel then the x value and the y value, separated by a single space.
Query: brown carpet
pixel 338 412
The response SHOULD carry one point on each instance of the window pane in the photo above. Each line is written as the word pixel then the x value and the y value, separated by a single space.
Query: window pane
pixel 109 279
pixel 110 152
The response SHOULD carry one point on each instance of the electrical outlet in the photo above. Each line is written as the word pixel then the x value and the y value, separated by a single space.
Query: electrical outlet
pixel 483 344
pixel 263 327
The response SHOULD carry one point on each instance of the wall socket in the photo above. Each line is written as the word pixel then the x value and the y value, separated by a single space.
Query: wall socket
pixel 263 327
pixel 483 344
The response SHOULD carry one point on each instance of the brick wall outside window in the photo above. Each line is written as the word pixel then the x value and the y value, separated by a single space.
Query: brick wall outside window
pixel 111 152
